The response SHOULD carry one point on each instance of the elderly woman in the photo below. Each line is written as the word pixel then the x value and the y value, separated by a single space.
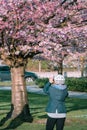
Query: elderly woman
pixel 56 111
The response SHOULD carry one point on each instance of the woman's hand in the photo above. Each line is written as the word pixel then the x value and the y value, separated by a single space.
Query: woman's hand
pixel 51 80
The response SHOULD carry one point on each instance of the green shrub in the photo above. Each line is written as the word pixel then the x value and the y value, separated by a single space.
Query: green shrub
pixel 77 84
pixel 73 84
pixel 41 82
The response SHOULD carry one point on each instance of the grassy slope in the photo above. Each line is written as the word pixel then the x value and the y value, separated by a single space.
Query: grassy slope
pixel 76 112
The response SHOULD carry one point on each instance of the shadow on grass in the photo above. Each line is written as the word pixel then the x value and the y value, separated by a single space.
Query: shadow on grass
pixel 43 116
pixel 5 96
pixel 13 124
pixel 73 104
pixel 24 116
pixel 7 122
pixel 38 104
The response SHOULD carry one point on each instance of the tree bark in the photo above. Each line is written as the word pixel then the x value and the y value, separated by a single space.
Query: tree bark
pixel 19 93
pixel 39 65
pixel 60 68
pixel 19 107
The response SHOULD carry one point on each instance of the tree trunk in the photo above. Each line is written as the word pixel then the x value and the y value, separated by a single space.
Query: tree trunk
pixel 60 68
pixel 39 65
pixel 82 69
pixel 19 108
pixel 19 93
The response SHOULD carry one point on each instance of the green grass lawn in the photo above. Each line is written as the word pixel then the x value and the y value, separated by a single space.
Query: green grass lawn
pixel 9 84
pixel 76 112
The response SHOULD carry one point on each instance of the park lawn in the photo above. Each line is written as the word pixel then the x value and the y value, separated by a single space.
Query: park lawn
pixel 5 83
pixel 76 112
pixel 9 83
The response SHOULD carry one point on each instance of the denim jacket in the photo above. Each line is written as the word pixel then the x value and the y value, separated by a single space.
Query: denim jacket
pixel 57 95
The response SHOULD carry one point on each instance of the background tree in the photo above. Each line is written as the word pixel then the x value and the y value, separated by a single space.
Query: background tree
pixel 66 34
pixel 77 61
pixel 34 26
pixel 55 57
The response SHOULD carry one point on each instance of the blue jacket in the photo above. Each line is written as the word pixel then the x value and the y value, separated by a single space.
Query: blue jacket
pixel 57 95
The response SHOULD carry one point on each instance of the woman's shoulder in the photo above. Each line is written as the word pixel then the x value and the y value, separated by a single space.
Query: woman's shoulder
pixel 60 87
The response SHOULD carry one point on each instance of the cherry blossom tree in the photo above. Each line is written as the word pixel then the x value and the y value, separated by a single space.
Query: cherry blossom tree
pixel 55 56
pixel 72 44
pixel 30 27
pixel 66 34
pixel 77 61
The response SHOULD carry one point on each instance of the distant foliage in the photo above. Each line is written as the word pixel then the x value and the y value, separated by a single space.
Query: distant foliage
pixel 41 82
pixel 77 84
pixel 73 84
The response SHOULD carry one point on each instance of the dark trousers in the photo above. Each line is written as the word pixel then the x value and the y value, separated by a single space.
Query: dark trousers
pixel 58 122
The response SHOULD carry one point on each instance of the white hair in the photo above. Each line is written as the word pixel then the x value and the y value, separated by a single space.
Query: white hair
pixel 59 79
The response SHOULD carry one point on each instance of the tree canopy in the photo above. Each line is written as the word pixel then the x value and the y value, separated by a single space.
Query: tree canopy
pixel 29 27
